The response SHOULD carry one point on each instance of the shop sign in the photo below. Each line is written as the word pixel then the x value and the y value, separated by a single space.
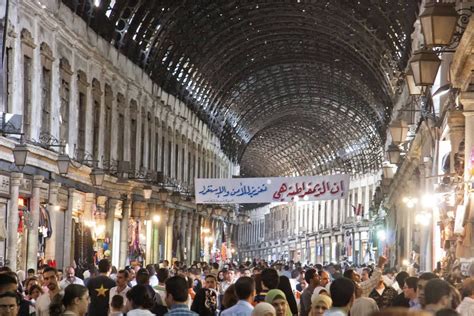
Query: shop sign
pixel 4 185
pixel 267 190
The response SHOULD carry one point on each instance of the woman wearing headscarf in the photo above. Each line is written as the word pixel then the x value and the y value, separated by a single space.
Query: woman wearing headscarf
pixel 285 286
pixel 278 299
pixel 264 309
pixel 319 304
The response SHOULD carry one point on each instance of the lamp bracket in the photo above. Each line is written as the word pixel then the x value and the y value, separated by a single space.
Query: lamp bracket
pixel 461 25
pixel 83 157
pixel 47 141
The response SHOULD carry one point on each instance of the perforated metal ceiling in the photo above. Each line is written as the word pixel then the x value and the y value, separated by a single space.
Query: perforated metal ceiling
pixel 291 87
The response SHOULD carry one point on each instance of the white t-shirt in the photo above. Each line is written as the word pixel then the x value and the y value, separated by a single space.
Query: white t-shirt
pixel 42 305
pixel 113 292
pixel 64 283
pixel 153 281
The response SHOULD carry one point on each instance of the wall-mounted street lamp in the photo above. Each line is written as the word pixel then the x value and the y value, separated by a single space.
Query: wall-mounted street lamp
pixel 388 171
pixel 413 89
pixel 147 190
pixel 97 177
pixel 20 154
pixel 393 153
pixel 163 194
pixel 399 131
pixel 63 164
pixel 424 65
pixel 438 23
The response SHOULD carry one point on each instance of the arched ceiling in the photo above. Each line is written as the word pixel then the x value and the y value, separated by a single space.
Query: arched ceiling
pixel 290 86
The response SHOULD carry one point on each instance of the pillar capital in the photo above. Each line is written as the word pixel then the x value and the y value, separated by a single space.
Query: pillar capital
pixel 196 220
pixel 54 187
pixel 455 119
pixel 184 218
pixel 71 190
pixel 16 178
pixel 37 181
pixel 467 100
pixel 171 216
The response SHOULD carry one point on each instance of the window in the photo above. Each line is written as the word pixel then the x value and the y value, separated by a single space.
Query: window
pixel 46 63
pixel 65 74
pixel 121 136
pixel 108 123
pixel 150 143
pixel 182 164
pixel 162 154
pixel 82 108
pixel 81 137
pixel 9 63
pixel 176 160
pixel 190 164
pixel 157 144
pixel 46 101
pixel 133 134
pixel 121 127
pixel 199 167
pixel 27 46
pixel 170 149
pixel 96 100
pixel 26 95
pixel 142 142
pixel 157 147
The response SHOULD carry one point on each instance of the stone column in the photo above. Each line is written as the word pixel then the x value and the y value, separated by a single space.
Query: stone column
pixel 53 209
pixel 196 242
pixel 109 223
pixel 32 256
pixel 68 229
pixel 456 134
pixel 124 223
pixel 467 100
pixel 169 235
pixel 189 237
pixel 182 241
pixel 156 236
pixel 12 238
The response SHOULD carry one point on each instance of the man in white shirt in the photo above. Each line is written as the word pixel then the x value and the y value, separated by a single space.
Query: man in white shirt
pixel 70 278
pixel 228 280
pixel 153 277
pixel 121 288
pixel 245 290
pixel 50 277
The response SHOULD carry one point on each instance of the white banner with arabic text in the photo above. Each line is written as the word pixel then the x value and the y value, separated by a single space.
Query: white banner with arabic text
pixel 267 190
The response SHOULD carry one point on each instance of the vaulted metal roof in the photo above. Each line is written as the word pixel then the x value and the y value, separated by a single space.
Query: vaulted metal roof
pixel 290 86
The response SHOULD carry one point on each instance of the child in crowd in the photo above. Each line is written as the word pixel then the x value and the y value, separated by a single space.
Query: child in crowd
pixel 116 306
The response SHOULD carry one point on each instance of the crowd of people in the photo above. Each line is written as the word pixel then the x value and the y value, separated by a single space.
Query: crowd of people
pixel 251 288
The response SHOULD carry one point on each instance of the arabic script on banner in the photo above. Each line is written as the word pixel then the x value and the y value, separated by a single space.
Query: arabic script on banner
pixel 267 190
